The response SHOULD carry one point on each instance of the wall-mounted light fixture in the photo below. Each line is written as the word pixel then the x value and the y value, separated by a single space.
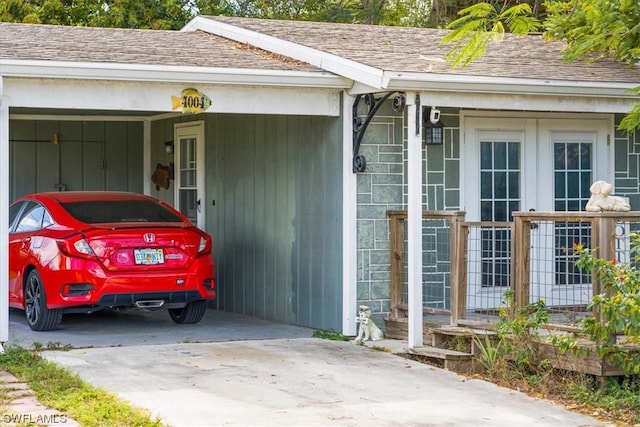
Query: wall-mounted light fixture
pixel 168 147
pixel 433 128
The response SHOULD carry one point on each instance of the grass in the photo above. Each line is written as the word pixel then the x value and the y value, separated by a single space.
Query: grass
pixel 329 335
pixel 58 388
pixel 618 403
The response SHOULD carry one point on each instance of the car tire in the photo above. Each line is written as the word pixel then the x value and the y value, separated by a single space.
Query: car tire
pixel 191 313
pixel 39 317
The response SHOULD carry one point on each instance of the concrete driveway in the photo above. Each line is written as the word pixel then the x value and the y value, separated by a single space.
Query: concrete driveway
pixel 239 371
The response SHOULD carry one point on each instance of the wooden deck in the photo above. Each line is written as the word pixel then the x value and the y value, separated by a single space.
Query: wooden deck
pixel 455 348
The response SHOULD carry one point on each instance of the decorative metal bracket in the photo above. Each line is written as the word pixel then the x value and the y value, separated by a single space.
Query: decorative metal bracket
pixel 360 125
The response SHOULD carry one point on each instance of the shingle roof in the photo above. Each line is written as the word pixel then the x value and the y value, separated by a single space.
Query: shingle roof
pixel 393 49
pixel 126 46
pixel 402 50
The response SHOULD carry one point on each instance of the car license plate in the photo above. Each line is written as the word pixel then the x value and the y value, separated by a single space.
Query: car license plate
pixel 148 256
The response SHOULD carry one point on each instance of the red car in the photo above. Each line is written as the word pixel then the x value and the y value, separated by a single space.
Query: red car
pixel 80 252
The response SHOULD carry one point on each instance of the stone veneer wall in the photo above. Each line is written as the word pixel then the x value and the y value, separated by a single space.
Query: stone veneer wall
pixel 627 165
pixel 383 186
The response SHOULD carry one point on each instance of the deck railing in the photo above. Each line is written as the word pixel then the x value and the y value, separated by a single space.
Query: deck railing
pixel 469 265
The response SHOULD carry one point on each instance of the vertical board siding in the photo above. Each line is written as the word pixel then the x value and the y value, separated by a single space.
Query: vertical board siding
pixel 22 155
pixel 88 156
pixel 116 138
pixel 276 221
pixel 135 157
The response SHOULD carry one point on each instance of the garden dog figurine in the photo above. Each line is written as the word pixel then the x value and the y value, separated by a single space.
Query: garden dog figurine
pixel 368 330
pixel 601 199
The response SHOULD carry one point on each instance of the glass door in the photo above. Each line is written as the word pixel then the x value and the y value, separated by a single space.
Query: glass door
pixel 577 154
pixel 494 189
pixel 523 165
pixel 189 173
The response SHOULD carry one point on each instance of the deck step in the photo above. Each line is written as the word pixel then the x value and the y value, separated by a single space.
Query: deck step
pixel 461 331
pixel 439 353
pixel 452 360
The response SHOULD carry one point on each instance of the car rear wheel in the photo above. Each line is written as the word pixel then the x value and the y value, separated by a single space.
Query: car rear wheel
pixel 39 317
pixel 191 313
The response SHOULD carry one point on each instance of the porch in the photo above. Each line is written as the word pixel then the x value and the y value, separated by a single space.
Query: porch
pixel 468 266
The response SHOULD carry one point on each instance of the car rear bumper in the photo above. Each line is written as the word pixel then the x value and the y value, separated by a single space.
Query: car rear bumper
pixel 149 299
pixel 95 287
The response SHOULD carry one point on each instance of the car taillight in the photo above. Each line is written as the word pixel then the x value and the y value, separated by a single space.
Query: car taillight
pixel 76 247
pixel 83 247
pixel 204 247
pixel 203 244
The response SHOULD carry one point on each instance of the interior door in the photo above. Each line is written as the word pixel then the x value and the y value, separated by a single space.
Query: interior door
pixel 529 164
pixel 189 171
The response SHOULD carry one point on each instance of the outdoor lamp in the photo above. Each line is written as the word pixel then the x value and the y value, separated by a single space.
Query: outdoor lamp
pixel 433 128
pixel 168 147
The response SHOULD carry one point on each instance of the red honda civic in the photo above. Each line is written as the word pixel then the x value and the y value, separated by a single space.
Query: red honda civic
pixel 80 252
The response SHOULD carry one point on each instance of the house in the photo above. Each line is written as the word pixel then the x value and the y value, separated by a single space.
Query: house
pixel 313 132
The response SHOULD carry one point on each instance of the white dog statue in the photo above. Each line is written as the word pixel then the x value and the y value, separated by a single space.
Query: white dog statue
pixel 601 199
pixel 368 330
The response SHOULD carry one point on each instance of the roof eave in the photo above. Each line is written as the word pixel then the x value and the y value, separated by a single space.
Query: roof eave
pixel 170 74
pixel 476 92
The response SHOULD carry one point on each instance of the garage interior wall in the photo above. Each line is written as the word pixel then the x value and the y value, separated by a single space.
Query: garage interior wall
pixel 51 155
pixel 274 210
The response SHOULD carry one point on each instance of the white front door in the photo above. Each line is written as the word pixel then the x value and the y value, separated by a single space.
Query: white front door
pixel 189 171
pixel 520 164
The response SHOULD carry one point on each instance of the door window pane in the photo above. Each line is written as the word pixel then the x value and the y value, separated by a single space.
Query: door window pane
pixel 573 174
pixel 187 192
pixel 188 204
pixel 500 197
pixel 499 180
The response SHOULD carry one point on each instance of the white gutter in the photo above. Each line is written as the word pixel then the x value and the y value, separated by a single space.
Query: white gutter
pixel 170 74
pixel 335 64
pixel 481 84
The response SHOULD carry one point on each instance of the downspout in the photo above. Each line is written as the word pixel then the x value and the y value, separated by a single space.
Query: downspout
pixel 4 217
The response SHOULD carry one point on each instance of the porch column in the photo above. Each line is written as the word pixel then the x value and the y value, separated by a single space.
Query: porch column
pixel 349 234
pixel 4 217
pixel 414 219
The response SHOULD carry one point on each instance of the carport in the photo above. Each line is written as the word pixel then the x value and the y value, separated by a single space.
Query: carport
pixel 91 75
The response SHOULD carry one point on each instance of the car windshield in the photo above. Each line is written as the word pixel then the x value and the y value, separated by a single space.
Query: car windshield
pixel 98 212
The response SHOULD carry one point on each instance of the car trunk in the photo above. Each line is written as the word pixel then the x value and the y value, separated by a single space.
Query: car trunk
pixel 125 248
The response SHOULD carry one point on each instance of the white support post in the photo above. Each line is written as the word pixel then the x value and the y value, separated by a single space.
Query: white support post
pixel 349 217
pixel 4 217
pixel 414 219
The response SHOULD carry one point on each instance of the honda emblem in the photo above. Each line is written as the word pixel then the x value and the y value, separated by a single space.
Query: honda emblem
pixel 149 237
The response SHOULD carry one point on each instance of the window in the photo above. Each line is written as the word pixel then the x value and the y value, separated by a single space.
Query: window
pixel 31 219
pixel 108 211
pixel 14 209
